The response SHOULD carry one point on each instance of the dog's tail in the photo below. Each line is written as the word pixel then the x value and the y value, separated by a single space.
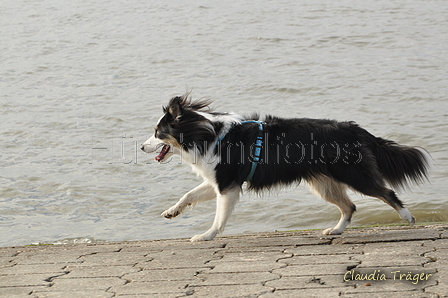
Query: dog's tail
pixel 401 165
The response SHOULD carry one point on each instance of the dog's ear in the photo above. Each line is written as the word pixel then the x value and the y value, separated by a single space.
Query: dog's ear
pixel 175 107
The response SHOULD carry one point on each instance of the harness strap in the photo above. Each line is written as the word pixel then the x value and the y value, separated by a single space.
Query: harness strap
pixel 257 150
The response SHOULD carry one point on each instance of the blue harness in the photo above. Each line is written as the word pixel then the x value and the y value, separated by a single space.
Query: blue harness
pixel 257 150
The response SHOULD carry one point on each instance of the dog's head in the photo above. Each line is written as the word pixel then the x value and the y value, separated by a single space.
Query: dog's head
pixel 185 125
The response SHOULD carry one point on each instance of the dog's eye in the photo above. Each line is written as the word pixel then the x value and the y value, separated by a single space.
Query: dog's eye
pixel 169 117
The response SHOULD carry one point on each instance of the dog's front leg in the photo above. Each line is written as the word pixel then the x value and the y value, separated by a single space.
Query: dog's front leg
pixel 201 193
pixel 225 204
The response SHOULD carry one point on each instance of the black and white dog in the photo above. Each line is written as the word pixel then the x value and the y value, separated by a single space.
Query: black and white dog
pixel 226 149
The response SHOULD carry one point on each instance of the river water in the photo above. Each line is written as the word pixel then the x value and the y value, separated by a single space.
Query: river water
pixel 82 84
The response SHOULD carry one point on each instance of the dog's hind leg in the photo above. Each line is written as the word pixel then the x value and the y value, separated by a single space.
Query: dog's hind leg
pixel 334 192
pixel 370 184
pixel 201 193
pixel 225 204
pixel 389 197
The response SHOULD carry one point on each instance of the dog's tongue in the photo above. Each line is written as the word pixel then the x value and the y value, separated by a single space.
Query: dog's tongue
pixel 162 153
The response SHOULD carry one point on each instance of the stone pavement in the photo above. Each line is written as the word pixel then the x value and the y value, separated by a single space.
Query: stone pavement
pixel 396 261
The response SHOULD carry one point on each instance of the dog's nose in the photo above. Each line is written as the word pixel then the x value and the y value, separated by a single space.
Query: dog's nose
pixel 142 147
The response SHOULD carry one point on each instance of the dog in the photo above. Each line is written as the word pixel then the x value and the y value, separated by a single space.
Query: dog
pixel 227 149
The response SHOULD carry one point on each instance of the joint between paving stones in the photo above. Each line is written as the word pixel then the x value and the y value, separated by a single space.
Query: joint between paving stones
pixel 429 259
pixel 108 290
pixel 279 276
pixel 52 278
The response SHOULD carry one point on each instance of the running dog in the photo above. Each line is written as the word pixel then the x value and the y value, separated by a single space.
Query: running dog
pixel 227 149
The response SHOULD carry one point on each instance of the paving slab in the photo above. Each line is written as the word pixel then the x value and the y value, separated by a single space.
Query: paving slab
pixel 234 278
pixel 74 294
pixel 245 266
pixel 316 250
pixel 318 293
pixel 25 280
pixel 311 270
pixel 165 274
pixel 410 234
pixel 444 235
pixel 20 269
pixel 172 259
pixel 17 291
pixel 280 264
pixel 307 282
pixel 167 288
pixel 82 284
pixel 86 271
pixel 251 290
pixel 388 294
pixel 278 241
pixel 251 256
pixel 442 278
pixel 322 259
pixel 114 258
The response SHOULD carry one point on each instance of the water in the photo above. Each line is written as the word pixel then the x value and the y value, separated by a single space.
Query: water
pixel 82 84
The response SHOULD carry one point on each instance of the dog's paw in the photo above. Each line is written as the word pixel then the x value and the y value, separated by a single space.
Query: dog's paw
pixel 331 231
pixel 203 237
pixel 406 215
pixel 196 238
pixel 171 212
pixel 199 238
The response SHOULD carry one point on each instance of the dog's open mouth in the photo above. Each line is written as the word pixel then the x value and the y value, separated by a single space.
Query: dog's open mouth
pixel 161 156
